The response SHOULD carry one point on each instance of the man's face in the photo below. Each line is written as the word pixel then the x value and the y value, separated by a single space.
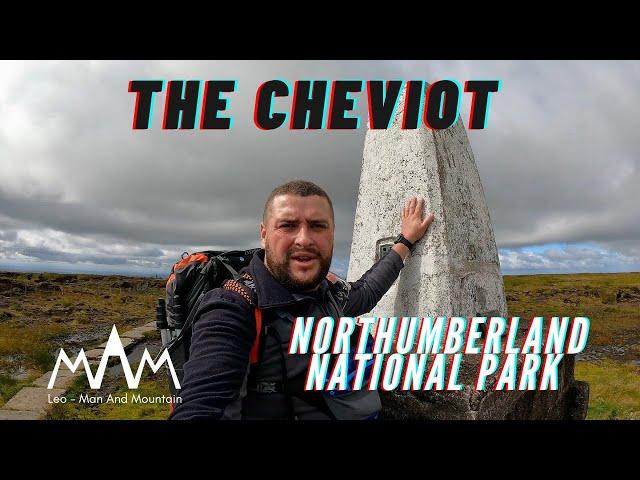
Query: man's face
pixel 298 240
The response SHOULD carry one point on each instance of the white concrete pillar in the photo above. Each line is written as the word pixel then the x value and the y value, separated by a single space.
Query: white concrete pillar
pixel 454 269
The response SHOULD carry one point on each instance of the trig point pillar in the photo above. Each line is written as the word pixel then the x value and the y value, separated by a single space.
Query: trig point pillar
pixel 454 269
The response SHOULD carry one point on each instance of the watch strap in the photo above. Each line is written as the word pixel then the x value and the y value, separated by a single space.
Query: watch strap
pixel 401 239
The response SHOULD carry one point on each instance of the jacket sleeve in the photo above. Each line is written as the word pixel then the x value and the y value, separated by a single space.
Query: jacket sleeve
pixel 366 292
pixel 215 374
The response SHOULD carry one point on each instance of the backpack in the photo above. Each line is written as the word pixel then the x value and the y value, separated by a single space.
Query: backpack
pixel 196 274
pixel 190 279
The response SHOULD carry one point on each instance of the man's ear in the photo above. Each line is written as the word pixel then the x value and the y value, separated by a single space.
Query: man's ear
pixel 263 234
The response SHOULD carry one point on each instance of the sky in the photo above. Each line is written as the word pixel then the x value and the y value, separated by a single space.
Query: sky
pixel 82 191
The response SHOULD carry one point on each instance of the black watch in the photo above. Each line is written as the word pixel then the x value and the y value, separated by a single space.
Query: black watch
pixel 400 239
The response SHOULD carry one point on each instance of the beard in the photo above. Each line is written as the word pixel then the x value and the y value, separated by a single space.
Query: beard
pixel 281 271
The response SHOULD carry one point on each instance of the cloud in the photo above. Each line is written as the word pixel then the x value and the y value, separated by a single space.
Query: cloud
pixel 559 160
pixel 566 259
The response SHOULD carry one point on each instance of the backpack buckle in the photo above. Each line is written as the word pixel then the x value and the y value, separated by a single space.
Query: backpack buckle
pixel 266 387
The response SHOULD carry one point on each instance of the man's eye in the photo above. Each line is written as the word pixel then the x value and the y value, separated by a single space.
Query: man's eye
pixel 318 226
pixel 286 225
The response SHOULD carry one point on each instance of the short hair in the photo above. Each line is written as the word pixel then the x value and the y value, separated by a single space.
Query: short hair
pixel 301 188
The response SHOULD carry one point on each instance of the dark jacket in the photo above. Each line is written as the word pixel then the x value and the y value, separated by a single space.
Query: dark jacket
pixel 215 383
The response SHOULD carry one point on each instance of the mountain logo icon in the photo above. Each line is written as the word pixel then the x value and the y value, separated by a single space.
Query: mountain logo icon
pixel 113 348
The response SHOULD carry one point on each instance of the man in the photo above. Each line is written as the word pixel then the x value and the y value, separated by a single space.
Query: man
pixel 289 278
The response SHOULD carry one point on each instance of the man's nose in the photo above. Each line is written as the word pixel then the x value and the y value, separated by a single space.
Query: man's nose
pixel 304 238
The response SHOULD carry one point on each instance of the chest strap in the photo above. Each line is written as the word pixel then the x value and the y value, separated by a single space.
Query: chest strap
pixel 245 287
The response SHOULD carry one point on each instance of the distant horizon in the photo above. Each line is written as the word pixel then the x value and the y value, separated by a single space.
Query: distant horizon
pixel 66 269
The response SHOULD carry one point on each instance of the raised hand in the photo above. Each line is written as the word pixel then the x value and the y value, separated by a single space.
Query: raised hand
pixel 414 226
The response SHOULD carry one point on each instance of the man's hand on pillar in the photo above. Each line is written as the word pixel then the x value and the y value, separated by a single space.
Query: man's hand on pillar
pixel 414 226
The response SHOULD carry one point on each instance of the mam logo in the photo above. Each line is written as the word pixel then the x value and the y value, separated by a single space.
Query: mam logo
pixel 113 348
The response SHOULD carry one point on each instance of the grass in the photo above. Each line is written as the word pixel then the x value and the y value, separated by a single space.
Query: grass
pixel 40 313
pixel 9 386
pixel 150 386
pixel 590 295
pixel 614 389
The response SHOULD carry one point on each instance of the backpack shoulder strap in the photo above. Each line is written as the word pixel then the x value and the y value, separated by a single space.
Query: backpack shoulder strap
pixel 339 288
pixel 244 286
